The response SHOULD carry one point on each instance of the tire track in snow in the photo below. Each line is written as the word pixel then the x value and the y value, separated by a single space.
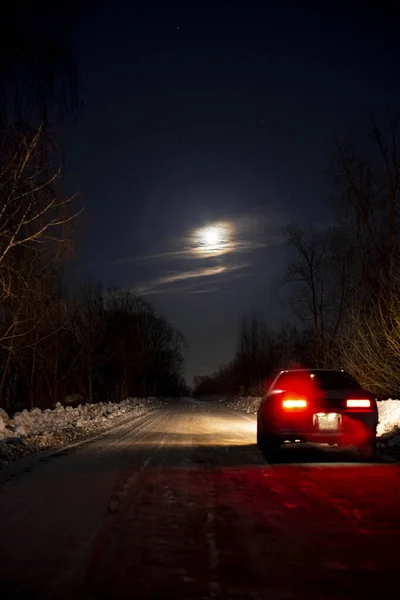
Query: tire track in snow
pixel 70 496
pixel 28 462
pixel 73 580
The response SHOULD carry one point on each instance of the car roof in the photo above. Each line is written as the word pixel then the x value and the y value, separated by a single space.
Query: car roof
pixel 312 370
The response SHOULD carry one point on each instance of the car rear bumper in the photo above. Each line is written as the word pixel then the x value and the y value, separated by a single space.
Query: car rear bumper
pixel 355 428
pixel 316 438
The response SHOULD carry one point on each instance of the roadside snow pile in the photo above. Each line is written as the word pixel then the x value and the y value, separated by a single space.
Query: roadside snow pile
pixel 389 422
pixel 248 404
pixel 33 430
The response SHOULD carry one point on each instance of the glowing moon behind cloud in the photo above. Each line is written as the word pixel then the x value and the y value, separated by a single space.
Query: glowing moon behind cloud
pixel 212 236
pixel 213 240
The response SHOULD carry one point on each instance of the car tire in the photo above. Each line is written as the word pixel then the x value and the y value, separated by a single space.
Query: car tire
pixel 367 451
pixel 271 448
pixel 260 440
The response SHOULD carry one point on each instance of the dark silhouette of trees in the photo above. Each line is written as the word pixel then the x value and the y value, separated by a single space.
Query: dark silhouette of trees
pixel 369 206
pixel 322 284
pixel 260 353
pixel 38 72
pixel 102 346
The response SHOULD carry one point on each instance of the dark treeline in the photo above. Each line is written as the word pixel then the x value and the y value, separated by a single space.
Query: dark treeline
pixel 57 342
pixel 343 284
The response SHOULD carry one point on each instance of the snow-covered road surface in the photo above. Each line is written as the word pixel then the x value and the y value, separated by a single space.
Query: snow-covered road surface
pixel 180 504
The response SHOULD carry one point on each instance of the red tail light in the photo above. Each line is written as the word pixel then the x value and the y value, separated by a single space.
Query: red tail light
pixel 362 403
pixel 293 404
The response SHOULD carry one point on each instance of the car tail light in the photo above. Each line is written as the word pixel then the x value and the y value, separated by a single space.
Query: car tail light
pixel 294 403
pixel 361 403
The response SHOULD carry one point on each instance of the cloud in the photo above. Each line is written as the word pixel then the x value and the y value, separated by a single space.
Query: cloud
pixel 208 272
pixel 240 246
pixel 190 252
pixel 165 282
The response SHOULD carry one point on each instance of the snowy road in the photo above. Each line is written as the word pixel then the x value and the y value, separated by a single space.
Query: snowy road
pixel 180 504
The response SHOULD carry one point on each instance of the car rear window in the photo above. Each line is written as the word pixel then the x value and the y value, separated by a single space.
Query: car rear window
pixel 337 380
pixel 324 379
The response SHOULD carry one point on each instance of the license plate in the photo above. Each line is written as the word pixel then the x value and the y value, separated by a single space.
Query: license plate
pixel 327 422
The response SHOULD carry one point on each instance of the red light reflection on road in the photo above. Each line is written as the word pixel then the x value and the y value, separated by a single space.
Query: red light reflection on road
pixel 185 532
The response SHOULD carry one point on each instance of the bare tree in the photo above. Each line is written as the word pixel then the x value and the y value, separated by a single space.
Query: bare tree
pixel 322 278
pixel 34 220
pixel 33 210
pixel 259 352
pixel 371 348
pixel 36 235
pixel 368 207
pixel 368 204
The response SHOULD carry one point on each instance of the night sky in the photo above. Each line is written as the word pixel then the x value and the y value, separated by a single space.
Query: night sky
pixel 198 113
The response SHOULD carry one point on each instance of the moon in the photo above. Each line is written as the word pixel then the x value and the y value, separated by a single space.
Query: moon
pixel 213 239
pixel 212 236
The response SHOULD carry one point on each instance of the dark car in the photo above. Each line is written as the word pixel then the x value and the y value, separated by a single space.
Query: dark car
pixel 317 405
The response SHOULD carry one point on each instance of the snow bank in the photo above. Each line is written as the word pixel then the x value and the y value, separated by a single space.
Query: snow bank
pixel 248 404
pixel 29 431
pixel 389 416
pixel 389 422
